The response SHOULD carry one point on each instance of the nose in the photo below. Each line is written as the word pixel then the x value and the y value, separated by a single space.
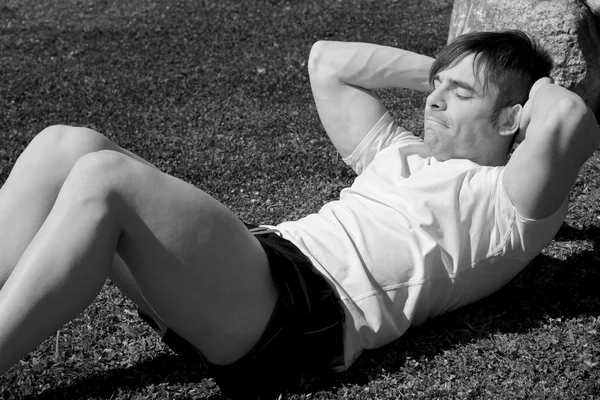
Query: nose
pixel 435 100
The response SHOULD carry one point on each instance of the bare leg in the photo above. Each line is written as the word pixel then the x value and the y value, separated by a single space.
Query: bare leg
pixel 30 191
pixel 121 276
pixel 195 263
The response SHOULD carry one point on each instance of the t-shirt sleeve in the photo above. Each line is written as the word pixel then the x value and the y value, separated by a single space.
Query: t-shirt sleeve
pixel 385 132
pixel 528 236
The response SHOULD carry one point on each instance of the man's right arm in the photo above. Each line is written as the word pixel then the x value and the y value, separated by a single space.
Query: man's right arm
pixel 560 133
pixel 342 77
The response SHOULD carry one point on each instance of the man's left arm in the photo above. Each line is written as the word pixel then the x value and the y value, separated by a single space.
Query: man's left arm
pixel 560 134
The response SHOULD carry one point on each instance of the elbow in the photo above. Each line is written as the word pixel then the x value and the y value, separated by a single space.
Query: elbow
pixel 572 106
pixel 320 58
pixel 568 114
pixel 315 58
pixel 578 126
pixel 570 109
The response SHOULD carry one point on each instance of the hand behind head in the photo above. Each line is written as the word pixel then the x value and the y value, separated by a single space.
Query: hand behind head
pixel 526 113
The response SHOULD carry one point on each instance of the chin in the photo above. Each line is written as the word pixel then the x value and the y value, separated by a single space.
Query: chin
pixel 441 157
pixel 434 150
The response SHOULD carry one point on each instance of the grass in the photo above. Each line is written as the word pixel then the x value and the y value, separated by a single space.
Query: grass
pixel 216 92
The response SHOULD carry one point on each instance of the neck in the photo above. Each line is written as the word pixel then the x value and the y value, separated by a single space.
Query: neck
pixel 497 159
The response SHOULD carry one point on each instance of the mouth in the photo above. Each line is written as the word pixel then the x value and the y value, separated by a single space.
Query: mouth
pixel 429 119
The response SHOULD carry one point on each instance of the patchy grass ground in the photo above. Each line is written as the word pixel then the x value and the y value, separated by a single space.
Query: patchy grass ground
pixel 216 92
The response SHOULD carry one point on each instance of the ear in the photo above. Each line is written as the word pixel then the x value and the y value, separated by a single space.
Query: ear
pixel 510 119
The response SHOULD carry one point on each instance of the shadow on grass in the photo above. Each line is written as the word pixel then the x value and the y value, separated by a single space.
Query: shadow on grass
pixel 165 368
pixel 548 288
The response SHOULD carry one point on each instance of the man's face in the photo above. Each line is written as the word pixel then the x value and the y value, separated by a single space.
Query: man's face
pixel 458 115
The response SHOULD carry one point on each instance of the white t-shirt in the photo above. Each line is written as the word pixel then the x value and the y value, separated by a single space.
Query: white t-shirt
pixel 413 237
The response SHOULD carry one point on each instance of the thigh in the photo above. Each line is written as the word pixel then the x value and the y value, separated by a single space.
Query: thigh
pixel 30 190
pixel 121 277
pixel 195 263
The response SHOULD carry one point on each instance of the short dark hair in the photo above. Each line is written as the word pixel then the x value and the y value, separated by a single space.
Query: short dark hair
pixel 511 59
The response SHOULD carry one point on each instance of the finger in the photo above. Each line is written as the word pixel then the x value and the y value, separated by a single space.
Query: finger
pixel 525 119
pixel 538 84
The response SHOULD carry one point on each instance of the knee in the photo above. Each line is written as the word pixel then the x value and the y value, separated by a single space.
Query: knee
pixel 103 165
pixel 99 175
pixel 62 143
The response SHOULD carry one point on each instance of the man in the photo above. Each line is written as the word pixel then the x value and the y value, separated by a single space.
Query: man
pixel 428 225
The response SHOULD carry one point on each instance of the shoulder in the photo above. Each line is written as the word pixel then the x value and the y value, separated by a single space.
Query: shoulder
pixel 524 236
pixel 383 134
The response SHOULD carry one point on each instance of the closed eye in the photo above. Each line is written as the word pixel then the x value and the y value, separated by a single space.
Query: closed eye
pixel 456 86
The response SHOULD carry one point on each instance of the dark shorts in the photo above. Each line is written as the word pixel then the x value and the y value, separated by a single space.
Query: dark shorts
pixel 304 333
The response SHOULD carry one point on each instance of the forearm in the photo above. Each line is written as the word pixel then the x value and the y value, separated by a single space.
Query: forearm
pixel 371 66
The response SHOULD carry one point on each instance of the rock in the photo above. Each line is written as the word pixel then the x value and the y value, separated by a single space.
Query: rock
pixel 593 5
pixel 566 28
